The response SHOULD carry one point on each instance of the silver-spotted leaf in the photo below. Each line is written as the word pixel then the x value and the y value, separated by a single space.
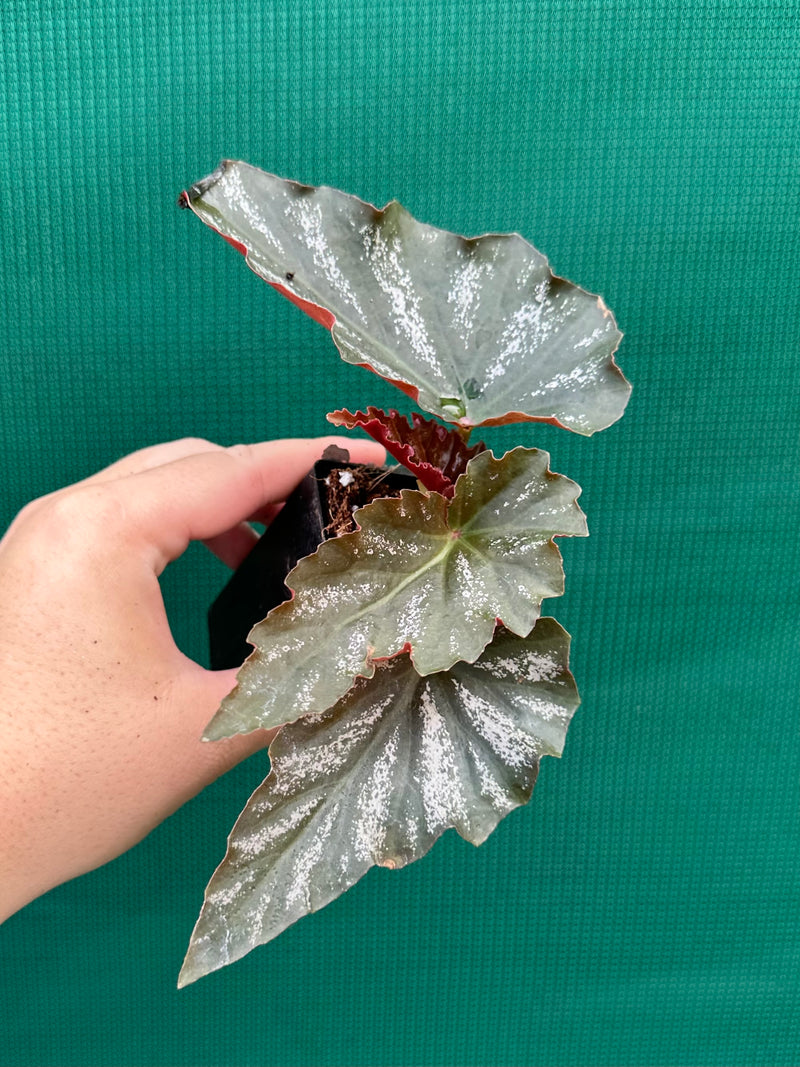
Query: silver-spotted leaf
pixel 478 330
pixel 378 778
pixel 421 574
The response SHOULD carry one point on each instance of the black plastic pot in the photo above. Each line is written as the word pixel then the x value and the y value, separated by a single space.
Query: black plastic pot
pixel 258 585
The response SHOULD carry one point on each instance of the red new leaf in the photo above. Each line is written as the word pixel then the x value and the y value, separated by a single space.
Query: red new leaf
pixel 435 454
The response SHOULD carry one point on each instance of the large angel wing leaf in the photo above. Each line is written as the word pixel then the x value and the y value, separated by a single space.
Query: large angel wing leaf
pixel 379 777
pixel 478 330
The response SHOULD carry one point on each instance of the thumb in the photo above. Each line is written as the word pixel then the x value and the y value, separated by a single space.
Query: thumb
pixel 208 760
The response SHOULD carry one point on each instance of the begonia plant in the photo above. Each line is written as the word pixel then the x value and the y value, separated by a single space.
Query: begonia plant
pixel 414 682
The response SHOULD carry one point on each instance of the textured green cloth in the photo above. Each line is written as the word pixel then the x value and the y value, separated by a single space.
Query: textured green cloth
pixel 644 908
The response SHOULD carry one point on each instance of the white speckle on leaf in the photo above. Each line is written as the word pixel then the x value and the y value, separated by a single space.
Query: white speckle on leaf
pixel 306 860
pixel 405 304
pixel 526 665
pixel 443 798
pixel 585 342
pixel 490 786
pixel 309 764
pixel 307 216
pixel 232 189
pixel 373 802
pixel 465 296
pixel 267 835
pixel 227 894
pixel 513 746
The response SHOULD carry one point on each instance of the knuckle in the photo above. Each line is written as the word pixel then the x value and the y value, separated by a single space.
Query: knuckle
pixel 251 464
pixel 57 535
pixel 82 512
pixel 26 515
pixel 152 455
pixel 240 451
pixel 195 444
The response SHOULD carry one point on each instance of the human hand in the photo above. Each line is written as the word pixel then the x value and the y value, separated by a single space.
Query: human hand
pixel 101 714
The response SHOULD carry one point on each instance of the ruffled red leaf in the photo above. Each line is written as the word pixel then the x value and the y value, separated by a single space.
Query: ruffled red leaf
pixel 434 453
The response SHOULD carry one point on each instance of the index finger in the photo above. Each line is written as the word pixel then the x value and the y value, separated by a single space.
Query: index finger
pixel 201 496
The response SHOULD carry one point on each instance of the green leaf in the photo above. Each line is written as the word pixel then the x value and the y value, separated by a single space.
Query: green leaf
pixel 378 778
pixel 421 574
pixel 477 330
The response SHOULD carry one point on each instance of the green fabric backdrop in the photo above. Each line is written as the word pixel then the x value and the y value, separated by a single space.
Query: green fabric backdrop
pixel 644 908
